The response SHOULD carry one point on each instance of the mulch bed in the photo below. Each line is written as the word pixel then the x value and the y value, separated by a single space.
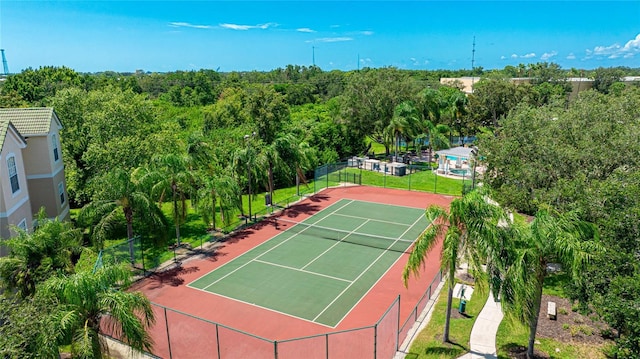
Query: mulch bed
pixel 569 326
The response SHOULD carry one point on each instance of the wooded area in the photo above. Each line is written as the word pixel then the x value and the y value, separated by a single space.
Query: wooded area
pixel 131 140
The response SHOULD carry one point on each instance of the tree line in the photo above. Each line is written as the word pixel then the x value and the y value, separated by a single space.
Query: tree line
pixel 133 141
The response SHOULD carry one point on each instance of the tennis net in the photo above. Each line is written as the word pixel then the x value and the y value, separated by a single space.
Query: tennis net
pixel 334 234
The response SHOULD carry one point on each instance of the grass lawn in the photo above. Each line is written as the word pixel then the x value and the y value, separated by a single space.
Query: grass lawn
pixel 428 344
pixel 421 180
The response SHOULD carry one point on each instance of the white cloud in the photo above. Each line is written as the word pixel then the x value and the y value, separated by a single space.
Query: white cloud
pixel 186 24
pixel 615 51
pixel 247 27
pixel 305 29
pixel 606 50
pixel 571 56
pixel 632 45
pixel 548 55
pixel 366 33
pixel 334 39
pixel 529 55
pixel 503 57
pixel 514 56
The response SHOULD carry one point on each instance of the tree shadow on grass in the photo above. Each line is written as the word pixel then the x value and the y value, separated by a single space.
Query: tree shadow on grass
pixel 520 352
pixel 449 350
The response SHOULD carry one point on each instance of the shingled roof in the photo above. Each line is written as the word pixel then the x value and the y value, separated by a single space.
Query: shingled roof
pixel 4 126
pixel 30 121
pixel 4 129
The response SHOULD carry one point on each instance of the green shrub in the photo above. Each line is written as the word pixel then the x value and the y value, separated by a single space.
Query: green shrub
pixel 563 311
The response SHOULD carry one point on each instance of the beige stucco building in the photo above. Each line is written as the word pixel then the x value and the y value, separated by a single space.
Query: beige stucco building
pixel 465 84
pixel 31 168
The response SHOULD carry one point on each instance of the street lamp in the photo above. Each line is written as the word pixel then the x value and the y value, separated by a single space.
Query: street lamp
pixel 247 138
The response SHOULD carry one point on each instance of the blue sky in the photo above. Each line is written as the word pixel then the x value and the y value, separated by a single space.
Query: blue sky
pixel 92 36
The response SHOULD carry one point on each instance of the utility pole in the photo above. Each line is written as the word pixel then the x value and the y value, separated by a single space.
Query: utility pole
pixel 473 60
pixel 313 56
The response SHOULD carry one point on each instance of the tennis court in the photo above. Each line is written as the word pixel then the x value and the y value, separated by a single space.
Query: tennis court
pixel 319 269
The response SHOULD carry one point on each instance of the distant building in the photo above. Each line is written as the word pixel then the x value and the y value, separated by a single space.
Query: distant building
pixel 577 83
pixel 31 168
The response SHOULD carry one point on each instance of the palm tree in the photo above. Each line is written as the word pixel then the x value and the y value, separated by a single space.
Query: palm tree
pixel 472 223
pixel 404 123
pixel 36 256
pixel 170 173
pixel 89 302
pixel 119 192
pixel 519 265
pixel 431 106
pixel 243 161
pixel 457 104
pixel 218 188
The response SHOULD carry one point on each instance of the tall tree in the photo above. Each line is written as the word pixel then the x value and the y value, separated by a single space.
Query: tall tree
pixel 404 124
pixel 491 100
pixel 89 302
pixel 467 231
pixel 118 194
pixel 520 262
pixel 370 98
pixel 169 174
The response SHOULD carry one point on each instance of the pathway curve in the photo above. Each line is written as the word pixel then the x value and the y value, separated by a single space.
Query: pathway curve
pixel 483 334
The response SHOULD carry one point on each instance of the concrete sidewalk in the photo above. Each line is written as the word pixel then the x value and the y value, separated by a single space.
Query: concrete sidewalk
pixel 483 334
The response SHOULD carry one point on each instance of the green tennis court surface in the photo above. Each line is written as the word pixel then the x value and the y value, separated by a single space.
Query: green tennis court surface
pixel 319 269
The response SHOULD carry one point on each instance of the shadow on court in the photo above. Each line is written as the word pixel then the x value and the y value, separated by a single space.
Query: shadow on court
pixel 171 277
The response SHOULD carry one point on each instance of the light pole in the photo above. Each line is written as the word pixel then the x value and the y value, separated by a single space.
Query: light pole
pixel 247 138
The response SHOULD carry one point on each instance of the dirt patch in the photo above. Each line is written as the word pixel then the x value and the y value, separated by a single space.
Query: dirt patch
pixel 569 326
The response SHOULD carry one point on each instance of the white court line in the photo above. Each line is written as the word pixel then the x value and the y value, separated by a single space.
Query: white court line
pixel 265 308
pixel 371 219
pixel 335 244
pixel 270 249
pixel 385 272
pixel 302 270
pixel 361 274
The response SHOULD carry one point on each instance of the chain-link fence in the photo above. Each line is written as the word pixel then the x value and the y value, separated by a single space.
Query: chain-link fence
pixel 412 177
pixel 181 335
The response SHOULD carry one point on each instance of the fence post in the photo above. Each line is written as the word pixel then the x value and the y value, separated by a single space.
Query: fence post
pixel 435 181
pixel 327 177
pixel 217 341
pixel 166 323
pixel 398 331
pixel 275 349
pixel 385 177
pixel 327 344
pixel 375 341
pixel 409 177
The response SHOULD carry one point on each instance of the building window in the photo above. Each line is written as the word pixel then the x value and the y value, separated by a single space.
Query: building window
pixel 54 143
pixel 61 192
pixel 13 174
pixel 23 224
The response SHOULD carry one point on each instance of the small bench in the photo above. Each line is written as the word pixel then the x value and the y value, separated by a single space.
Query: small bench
pixel 551 310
